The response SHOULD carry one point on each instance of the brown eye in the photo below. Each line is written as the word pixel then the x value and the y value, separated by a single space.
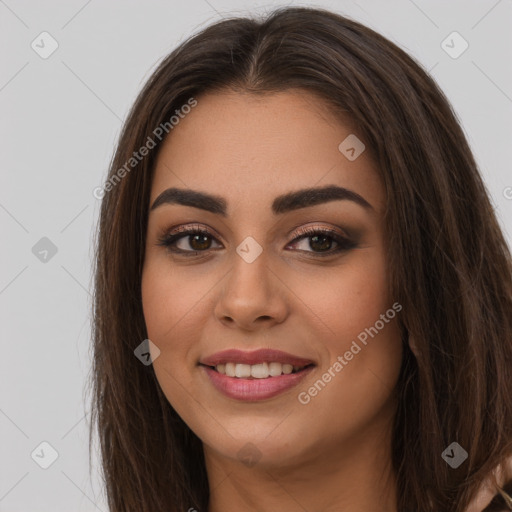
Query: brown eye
pixel 321 241
pixel 317 241
pixel 198 242
pixel 189 240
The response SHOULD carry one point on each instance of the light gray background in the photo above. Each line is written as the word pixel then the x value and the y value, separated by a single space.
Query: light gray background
pixel 60 120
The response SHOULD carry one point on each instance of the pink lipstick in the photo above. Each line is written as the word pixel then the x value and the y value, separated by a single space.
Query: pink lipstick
pixel 255 375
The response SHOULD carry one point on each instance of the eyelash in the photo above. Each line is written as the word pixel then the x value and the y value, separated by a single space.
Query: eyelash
pixel 169 238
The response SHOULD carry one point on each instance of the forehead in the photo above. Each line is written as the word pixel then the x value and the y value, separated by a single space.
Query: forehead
pixel 260 146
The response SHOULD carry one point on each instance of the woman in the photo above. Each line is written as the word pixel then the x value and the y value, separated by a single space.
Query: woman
pixel 295 233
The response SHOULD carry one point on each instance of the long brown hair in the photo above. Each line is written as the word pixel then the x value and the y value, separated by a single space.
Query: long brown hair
pixel 450 267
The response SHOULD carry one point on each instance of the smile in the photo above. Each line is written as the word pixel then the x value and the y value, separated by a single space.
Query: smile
pixel 256 371
pixel 255 375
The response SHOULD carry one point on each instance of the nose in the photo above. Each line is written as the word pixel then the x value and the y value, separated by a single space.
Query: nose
pixel 252 297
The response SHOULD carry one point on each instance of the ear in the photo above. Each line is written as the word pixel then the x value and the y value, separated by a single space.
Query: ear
pixel 413 346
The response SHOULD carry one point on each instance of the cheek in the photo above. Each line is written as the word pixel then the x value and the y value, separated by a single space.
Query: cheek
pixel 348 298
pixel 171 301
pixel 370 321
pixel 358 324
pixel 360 302
pixel 171 306
pixel 173 313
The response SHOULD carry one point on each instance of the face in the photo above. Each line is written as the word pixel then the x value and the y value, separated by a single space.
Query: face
pixel 283 279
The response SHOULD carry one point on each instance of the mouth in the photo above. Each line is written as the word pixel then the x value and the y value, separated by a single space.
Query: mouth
pixel 265 370
pixel 256 375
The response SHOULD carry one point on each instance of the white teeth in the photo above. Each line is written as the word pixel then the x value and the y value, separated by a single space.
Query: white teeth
pixel 242 371
pixel 230 369
pixel 275 369
pixel 256 371
pixel 259 371
pixel 287 368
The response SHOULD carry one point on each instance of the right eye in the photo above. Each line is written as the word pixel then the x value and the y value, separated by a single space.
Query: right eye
pixel 192 240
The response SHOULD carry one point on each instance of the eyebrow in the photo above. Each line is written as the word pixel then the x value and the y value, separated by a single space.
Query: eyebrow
pixel 281 204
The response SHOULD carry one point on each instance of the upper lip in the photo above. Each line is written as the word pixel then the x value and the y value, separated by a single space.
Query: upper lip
pixel 254 357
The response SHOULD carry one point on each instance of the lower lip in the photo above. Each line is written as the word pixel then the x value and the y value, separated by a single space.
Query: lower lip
pixel 251 390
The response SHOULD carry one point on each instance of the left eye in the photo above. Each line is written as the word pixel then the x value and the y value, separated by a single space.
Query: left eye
pixel 319 241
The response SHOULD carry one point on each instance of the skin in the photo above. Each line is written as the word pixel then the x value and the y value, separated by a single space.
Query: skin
pixel 334 452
